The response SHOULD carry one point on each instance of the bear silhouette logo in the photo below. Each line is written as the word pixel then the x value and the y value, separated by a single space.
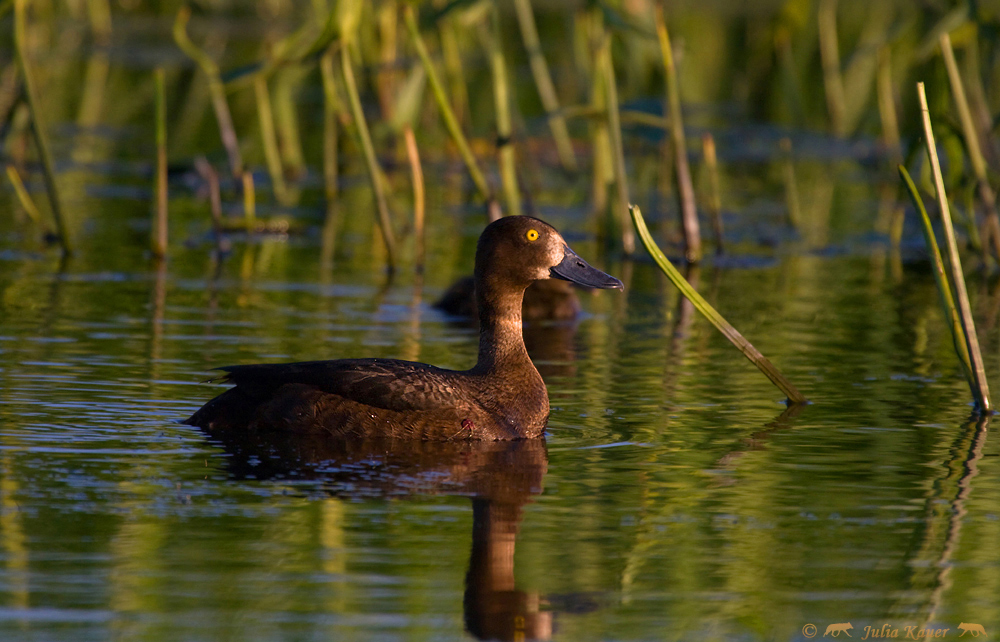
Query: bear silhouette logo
pixel 974 629
pixel 834 630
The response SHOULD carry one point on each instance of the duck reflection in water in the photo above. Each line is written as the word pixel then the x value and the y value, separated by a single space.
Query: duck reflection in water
pixel 499 476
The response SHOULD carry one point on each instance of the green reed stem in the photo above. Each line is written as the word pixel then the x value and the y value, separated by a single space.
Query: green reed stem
pixel 501 101
pixel 716 319
pixel 99 17
pixel 208 173
pixel 269 139
pixel 374 172
pixel 452 57
pixel 159 240
pixel 286 119
pixel 600 143
pixel 685 186
pixel 10 90
pixel 450 122
pixel 962 103
pixel 887 105
pixel 331 109
pixel 714 198
pixel 981 390
pixel 792 202
pixel 216 89
pixel 249 202
pixel 543 81
pixel 418 195
pixel 386 80
pixel 941 278
pixel 986 193
pixel 890 131
pixel 617 147
pixel 833 82
pixel 38 124
pixel 24 197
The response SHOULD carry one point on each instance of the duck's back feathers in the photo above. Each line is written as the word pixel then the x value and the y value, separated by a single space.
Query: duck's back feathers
pixel 364 398
pixel 391 384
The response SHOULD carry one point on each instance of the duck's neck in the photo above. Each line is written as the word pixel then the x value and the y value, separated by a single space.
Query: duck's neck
pixel 501 341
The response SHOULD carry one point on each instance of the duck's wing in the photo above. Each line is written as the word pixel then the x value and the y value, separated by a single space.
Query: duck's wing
pixel 383 383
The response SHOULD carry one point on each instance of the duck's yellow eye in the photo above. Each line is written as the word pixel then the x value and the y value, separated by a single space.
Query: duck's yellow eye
pixel 531 235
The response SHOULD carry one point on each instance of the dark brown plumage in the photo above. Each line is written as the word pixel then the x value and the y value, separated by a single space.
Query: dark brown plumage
pixel 501 397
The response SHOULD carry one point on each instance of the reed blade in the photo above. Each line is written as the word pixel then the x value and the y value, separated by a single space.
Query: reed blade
pixel 833 81
pixel 444 105
pixel 374 171
pixel 617 147
pixel 941 278
pixel 38 124
pixel 269 139
pixel 25 198
pixel 715 197
pixel 543 82
pixel 216 89
pixel 490 36
pixel 331 133
pixel 716 319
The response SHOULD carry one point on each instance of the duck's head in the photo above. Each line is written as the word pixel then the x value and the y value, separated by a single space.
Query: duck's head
pixel 519 250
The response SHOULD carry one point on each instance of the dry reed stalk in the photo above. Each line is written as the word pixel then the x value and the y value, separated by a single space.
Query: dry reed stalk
pixel 211 177
pixel 986 194
pixel 685 187
pixel 981 389
pixel 159 240
pixel 418 195
pixel 978 102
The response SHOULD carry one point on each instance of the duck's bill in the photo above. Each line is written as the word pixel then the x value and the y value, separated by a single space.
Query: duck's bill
pixel 573 268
